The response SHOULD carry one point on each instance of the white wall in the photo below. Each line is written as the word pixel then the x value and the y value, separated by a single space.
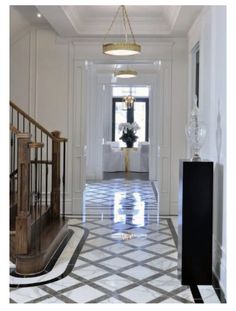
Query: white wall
pixel 210 30
pixel 58 82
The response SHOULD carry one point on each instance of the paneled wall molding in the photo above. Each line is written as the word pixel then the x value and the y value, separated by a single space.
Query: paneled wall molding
pixel 20 35
pixel 79 136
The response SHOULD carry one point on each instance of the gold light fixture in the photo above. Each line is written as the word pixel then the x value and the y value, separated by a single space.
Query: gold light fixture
pixel 125 74
pixel 124 48
pixel 128 101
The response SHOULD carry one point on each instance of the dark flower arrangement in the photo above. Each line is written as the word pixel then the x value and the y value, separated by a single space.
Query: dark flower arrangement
pixel 128 133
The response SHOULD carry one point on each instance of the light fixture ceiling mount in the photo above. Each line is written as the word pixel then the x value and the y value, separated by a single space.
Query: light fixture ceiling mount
pixel 124 48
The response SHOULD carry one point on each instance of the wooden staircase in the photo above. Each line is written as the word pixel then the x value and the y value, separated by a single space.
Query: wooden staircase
pixel 37 193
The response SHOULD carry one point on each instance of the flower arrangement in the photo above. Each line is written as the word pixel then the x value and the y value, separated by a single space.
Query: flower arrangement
pixel 128 133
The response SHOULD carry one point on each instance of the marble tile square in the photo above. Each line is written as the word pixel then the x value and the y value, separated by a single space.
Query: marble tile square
pixel 141 294
pixel 173 255
pixel 83 294
pixel 157 236
pixel 52 300
pixel 111 300
pixel 89 272
pixel 138 242
pixel 113 282
pixel 159 248
pixel 94 255
pixel 89 225
pixel 208 294
pixel 166 282
pixel 186 294
pixel 139 272
pixel 162 263
pixel 116 263
pixel 170 300
pixel 139 255
pixel 97 242
pixel 63 283
pixel 26 294
pixel 118 248
pixel 102 231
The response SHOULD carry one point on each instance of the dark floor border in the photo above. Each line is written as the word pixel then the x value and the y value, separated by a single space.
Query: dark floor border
pixel 219 292
pixel 70 265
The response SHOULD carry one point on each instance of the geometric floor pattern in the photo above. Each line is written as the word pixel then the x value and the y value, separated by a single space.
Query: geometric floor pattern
pixel 129 256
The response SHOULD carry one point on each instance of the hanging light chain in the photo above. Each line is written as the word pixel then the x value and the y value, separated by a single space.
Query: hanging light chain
pixel 124 9
pixel 125 18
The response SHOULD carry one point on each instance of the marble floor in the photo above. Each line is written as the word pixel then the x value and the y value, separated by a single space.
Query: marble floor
pixel 120 252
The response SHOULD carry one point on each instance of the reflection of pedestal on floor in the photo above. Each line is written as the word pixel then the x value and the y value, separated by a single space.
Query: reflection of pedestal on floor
pixel 126 155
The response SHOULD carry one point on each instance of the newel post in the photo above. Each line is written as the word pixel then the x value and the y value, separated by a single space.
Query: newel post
pixel 55 195
pixel 23 218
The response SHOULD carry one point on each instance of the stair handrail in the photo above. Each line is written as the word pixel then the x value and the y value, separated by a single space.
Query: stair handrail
pixel 31 120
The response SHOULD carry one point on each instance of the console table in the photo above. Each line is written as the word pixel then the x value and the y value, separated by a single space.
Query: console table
pixel 195 222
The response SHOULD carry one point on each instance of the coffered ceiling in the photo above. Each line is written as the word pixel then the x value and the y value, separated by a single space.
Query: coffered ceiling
pixel 93 21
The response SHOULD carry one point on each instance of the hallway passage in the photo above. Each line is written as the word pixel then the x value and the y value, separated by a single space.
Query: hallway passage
pixel 123 253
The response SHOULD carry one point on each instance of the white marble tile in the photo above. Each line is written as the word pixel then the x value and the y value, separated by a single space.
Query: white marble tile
pixel 208 294
pixel 27 294
pixel 102 231
pixel 158 236
pixel 118 248
pixel 113 282
pixel 186 294
pixel 116 263
pixel 63 283
pixel 80 263
pixel 83 294
pixel 111 300
pixel 138 255
pixel 99 242
pixel 52 300
pixel 162 263
pixel 94 255
pixel 138 242
pixel 170 300
pixel 89 272
pixel 139 272
pixel 141 294
pixel 173 255
pixel 159 248
pixel 166 282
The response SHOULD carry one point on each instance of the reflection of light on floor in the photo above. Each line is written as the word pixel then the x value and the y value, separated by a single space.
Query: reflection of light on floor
pixel 118 216
pixel 136 214
pixel 138 218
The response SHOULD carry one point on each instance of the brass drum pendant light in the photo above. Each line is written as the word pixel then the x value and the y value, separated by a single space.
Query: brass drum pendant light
pixel 124 48
pixel 125 74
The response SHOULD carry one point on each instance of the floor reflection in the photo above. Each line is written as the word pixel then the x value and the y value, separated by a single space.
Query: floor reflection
pixel 126 202
pixel 129 208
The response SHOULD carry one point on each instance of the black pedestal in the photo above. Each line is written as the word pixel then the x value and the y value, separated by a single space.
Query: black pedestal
pixel 195 222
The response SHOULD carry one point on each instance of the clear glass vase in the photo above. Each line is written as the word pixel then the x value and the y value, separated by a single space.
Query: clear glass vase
pixel 195 132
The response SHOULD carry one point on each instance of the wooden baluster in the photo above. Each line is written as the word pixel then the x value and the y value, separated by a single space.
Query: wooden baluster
pixel 55 195
pixel 23 218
